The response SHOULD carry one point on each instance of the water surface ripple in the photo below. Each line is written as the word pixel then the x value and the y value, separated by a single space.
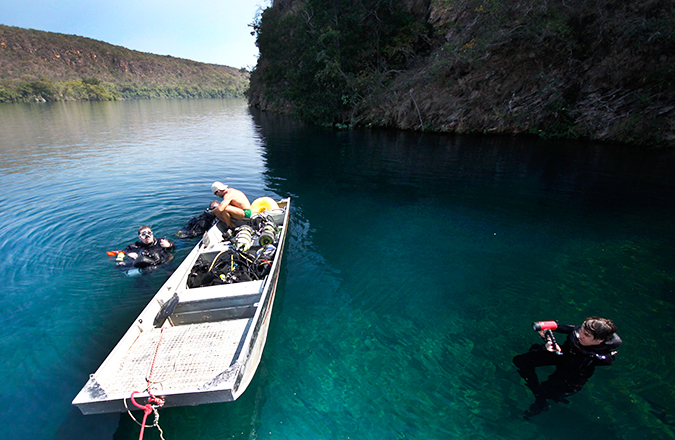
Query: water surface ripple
pixel 415 266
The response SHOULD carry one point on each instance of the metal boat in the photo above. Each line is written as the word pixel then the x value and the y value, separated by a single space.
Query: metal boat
pixel 201 337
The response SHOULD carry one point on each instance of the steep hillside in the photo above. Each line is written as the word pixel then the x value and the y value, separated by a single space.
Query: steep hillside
pixel 594 69
pixel 37 65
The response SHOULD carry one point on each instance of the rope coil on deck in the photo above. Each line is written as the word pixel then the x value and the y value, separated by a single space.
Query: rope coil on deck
pixel 154 402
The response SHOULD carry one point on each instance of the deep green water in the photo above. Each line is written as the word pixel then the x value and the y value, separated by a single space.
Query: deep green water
pixel 415 266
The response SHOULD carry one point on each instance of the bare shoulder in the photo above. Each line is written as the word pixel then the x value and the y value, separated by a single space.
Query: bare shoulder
pixel 239 199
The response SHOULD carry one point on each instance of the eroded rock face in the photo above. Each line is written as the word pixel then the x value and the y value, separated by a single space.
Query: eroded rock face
pixel 599 71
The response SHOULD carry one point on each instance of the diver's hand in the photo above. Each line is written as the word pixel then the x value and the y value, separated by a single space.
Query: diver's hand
pixel 553 349
pixel 133 255
pixel 164 243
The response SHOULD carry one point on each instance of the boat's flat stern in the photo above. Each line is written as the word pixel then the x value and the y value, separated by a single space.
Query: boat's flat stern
pixel 177 361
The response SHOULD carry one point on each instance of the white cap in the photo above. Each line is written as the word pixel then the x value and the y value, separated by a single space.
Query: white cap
pixel 217 186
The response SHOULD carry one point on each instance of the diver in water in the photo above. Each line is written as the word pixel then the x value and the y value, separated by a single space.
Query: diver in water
pixel 198 225
pixel 148 252
pixel 593 343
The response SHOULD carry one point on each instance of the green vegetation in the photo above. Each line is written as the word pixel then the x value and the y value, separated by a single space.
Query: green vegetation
pixel 46 66
pixel 47 90
pixel 590 69
pixel 328 57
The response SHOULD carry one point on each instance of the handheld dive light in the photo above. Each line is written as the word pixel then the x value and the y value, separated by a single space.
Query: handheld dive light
pixel 544 325
pixel 547 327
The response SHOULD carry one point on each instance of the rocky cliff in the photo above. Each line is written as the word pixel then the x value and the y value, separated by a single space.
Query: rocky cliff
pixel 594 69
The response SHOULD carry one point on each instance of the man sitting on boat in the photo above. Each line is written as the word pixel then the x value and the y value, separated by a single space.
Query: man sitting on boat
pixel 235 204
pixel 147 252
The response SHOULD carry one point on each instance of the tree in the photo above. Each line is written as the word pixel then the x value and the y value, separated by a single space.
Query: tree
pixel 328 56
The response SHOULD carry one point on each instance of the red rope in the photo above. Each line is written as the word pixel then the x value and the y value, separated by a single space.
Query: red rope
pixel 153 398
pixel 147 409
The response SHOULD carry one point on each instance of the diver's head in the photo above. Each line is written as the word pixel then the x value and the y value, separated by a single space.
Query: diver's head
pixel 595 331
pixel 218 188
pixel 145 234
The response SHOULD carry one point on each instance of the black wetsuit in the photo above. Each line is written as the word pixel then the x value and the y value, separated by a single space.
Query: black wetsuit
pixel 573 368
pixel 149 255
pixel 197 225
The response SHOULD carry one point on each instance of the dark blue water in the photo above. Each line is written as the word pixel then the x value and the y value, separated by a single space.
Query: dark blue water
pixel 415 266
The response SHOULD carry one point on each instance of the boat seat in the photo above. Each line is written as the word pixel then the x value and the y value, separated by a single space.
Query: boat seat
pixel 217 303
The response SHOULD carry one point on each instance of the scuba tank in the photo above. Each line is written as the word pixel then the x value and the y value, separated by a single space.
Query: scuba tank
pixel 265 227
pixel 268 235
pixel 244 238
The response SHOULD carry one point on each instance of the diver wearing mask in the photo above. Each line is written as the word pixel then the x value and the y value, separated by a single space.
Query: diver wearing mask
pixel 148 251
pixel 593 343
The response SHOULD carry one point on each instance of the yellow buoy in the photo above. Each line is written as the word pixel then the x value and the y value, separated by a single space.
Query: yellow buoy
pixel 262 204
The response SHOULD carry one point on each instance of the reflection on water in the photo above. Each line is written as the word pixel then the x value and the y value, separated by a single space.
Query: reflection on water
pixel 454 246
pixel 415 266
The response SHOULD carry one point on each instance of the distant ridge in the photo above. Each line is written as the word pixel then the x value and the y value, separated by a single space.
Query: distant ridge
pixel 47 66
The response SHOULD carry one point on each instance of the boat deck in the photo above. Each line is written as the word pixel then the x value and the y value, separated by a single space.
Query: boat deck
pixel 188 356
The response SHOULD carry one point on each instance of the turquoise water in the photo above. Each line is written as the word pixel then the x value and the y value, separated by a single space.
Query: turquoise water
pixel 415 266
